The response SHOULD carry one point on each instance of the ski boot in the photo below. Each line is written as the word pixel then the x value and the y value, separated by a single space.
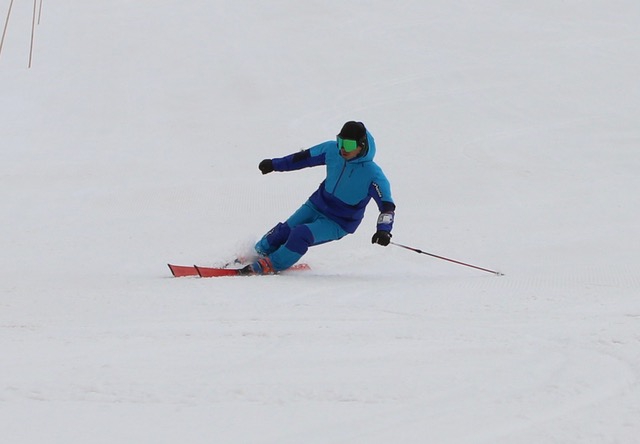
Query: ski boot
pixel 261 266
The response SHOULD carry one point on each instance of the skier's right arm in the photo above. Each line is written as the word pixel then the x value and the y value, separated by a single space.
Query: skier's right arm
pixel 311 157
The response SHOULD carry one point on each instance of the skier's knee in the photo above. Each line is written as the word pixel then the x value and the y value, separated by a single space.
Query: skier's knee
pixel 271 241
pixel 300 239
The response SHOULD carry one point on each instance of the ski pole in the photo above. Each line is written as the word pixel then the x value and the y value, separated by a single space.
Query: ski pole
pixel 33 31
pixel 6 24
pixel 497 273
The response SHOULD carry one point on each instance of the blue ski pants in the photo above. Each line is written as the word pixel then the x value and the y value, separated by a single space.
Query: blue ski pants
pixel 288 241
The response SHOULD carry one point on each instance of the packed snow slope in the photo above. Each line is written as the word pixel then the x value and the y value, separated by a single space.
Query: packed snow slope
pixel 509 132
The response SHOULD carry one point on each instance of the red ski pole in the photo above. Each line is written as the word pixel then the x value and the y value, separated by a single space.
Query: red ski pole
pixel 497 273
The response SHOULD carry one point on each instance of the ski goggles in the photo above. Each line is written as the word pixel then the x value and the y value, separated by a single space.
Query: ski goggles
pixel 347 144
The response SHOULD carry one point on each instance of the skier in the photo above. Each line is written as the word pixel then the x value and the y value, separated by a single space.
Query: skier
pixel 336 208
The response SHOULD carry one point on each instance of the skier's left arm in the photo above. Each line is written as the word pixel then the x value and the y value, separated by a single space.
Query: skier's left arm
pixel 310 157
pixel 380 190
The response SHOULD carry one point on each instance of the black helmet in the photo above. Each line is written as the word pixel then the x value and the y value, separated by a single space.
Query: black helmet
pixel 354 131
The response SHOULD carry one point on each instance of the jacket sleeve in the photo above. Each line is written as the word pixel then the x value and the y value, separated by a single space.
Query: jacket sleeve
pixel 380 190
pixel 311 157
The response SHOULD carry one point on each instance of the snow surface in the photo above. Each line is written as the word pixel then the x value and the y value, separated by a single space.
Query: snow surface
pixel 509 131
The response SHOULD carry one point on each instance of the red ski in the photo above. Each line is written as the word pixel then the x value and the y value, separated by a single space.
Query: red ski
pixel 183 270
pixel 206 272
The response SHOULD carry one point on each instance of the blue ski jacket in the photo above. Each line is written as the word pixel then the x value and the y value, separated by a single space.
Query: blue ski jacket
pixel 349 185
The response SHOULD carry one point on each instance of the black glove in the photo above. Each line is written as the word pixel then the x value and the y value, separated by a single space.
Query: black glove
pixel 381 237
pixel 266 166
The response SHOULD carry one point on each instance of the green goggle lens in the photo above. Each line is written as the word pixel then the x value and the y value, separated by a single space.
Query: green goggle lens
pixel 347 145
